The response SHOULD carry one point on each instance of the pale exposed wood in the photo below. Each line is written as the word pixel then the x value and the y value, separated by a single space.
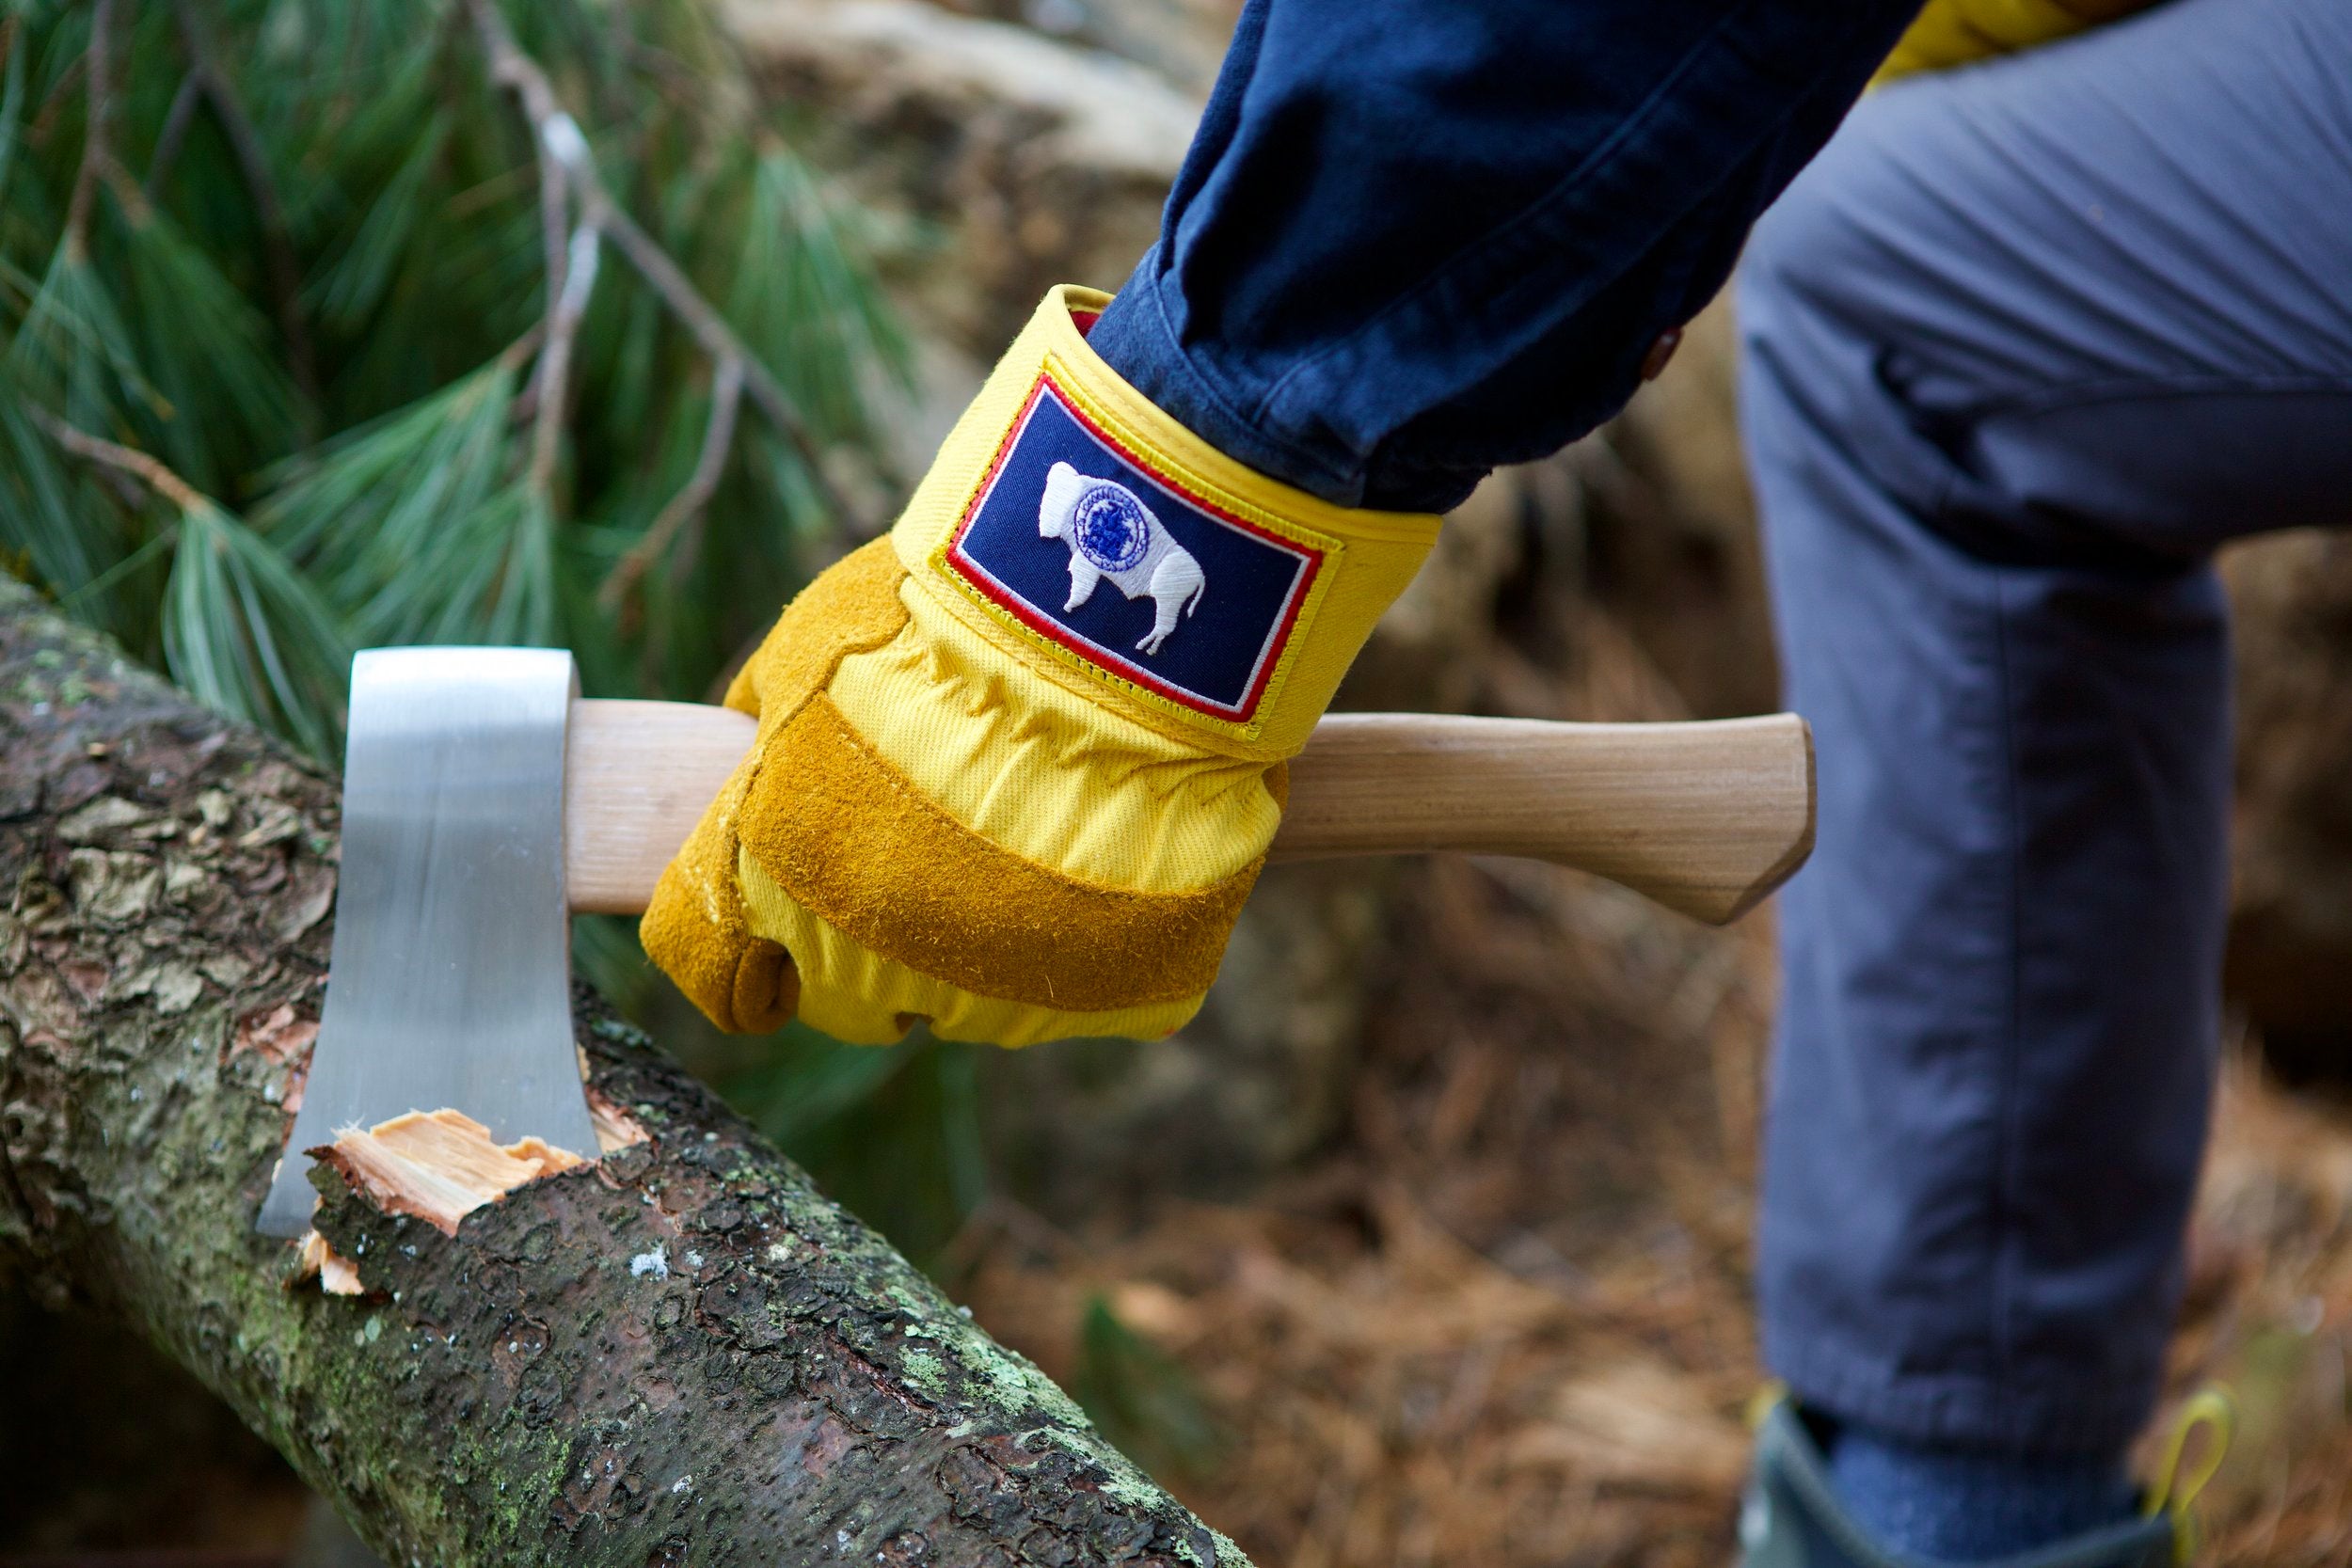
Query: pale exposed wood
pixel 439 1166
pixel 616 1128
pixel 1705 818
pixel 636 777
pixel 337 1276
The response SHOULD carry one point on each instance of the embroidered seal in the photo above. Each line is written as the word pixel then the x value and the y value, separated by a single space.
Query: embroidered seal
pixel 1112 528
pixel 1207 599
pixel 1112 534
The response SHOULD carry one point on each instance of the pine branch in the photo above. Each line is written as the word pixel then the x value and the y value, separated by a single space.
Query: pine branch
pixel 726 395
pixel 151 329
pixel 559 135
pixel 244 144
pixel 149 470
pixel 554 216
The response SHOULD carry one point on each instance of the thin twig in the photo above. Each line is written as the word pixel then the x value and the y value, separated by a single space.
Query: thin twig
pixel 711 331
pixel 553 376
pixel 559 135
pixel 184 102
pixel 97 150
pixel 726 395
pixel 128 460
pixel 244 144
pixel 554 216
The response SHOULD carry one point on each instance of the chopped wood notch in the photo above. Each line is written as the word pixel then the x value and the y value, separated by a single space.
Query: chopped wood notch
pixel 441 1167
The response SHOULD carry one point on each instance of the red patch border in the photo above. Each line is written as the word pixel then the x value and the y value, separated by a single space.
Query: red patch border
pixel 981 581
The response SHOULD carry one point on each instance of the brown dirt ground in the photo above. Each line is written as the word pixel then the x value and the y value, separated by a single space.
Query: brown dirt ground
pixel 1505 1321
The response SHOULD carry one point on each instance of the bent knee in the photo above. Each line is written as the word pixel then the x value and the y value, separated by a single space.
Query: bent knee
pixel 1847 247
pixel 1927 223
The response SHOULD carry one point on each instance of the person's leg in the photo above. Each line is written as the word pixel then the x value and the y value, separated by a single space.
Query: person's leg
pixel 2023 345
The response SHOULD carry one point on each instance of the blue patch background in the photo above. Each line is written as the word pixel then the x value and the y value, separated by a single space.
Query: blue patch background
pixel 1213 650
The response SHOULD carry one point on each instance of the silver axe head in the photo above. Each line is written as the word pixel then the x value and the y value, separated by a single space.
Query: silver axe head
pixel 450 979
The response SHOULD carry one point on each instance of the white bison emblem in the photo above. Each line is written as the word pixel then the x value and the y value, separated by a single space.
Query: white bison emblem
pixel 1112 534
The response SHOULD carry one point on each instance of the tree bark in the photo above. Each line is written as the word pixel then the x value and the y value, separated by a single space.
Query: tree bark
pixel 679 1353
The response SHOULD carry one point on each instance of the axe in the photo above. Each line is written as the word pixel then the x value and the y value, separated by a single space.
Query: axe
pixel 484 802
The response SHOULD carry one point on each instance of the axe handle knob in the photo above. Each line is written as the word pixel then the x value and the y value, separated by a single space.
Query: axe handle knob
pixel 1705 818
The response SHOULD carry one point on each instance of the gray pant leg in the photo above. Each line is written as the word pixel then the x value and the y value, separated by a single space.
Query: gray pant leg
pixel 2024 345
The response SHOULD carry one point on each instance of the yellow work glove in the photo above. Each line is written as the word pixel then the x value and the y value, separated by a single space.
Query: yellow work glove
pixel 1019 762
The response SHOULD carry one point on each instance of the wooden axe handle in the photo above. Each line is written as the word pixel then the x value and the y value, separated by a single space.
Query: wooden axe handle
pixel 1705 818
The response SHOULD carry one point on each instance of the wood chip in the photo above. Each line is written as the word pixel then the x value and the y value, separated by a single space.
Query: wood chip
pixel 616 1128
pixel 438 1166
pixel 337 1276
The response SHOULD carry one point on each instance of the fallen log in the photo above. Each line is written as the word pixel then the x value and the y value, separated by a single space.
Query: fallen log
pixel 677 1352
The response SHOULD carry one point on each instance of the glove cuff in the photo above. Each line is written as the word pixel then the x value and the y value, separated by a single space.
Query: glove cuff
pixel 1088 535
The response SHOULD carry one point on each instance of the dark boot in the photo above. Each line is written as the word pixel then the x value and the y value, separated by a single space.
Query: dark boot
pixel 1791 1518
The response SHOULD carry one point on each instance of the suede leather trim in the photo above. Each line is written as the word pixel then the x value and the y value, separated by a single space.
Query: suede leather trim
pixel 767 988
pixel 851 607
pixel 695 929
pixel 852 841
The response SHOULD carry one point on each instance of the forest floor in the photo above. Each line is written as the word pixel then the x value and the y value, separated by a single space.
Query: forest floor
pixel 1505 1321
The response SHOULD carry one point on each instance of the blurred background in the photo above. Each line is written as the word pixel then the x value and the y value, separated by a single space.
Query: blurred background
pixel 1427 1243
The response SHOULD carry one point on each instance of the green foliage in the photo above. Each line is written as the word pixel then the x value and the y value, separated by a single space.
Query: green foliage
pixel 246 633
pixel 409 519
pixel 321 300
pixel 228 403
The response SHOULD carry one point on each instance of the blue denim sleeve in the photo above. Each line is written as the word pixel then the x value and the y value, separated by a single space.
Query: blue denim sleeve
pixel 1416 239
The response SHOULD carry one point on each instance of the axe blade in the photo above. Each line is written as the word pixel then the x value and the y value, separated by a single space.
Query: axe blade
pixel 449 982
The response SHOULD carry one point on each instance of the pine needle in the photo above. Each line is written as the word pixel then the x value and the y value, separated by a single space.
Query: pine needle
pixel 243 633
pixel 46 516
pixel 401 523
pixel 12 101
pixel 354 285
pixel 228 404
pixel 74 351
pixel 804 299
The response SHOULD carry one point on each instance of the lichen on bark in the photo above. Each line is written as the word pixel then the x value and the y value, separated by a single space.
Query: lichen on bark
pixel 783 1387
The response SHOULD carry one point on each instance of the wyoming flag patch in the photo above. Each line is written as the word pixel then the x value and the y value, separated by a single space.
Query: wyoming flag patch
pixel 1087 543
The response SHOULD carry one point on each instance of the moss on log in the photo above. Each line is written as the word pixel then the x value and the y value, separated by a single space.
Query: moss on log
pixel 680 1353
